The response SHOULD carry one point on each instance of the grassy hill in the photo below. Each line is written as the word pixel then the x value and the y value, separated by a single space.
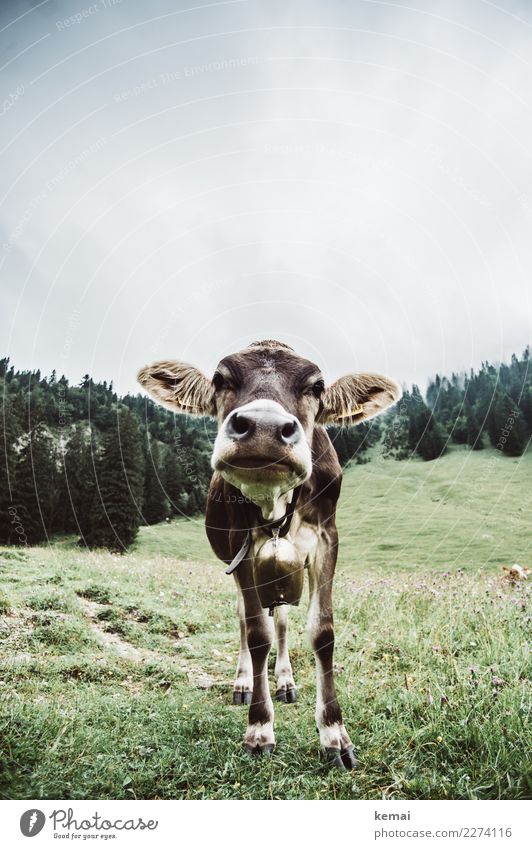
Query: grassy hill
pixel 116 672
pixel 469 509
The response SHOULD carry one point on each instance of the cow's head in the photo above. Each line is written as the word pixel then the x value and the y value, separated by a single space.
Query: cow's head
pixel 267 400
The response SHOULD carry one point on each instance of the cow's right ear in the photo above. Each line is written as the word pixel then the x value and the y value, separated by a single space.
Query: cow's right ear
pixel 178 386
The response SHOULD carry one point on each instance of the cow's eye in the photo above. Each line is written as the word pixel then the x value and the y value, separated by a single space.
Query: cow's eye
pixel 317 388
pixel 221 382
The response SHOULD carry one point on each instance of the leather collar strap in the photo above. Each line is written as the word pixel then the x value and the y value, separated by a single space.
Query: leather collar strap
pixel 277 528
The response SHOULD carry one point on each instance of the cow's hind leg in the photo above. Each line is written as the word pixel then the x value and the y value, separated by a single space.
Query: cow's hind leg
pixel 336 745
pixel 243 686
pixel 259 736
pixel 285 687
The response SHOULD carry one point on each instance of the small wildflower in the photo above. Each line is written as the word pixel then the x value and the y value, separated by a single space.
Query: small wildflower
pixel 439 739
pixel 236 785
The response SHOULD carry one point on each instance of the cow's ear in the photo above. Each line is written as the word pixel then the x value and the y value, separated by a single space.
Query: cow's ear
pixel 358 397
pixel 178 386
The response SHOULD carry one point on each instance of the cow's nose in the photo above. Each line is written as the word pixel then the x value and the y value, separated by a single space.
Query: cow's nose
pixel 240 427
pixel 289 433
pixel 263 423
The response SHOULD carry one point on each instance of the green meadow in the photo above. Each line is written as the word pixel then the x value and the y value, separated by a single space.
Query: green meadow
pixel 116 671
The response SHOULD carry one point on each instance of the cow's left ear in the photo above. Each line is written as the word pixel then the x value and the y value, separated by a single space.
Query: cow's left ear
pixel 358 397
pixel 178 386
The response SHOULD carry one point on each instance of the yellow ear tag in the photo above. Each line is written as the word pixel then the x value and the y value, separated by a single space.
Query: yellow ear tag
pixel 356 412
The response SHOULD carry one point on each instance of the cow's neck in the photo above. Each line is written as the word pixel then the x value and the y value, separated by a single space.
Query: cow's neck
pixel 271 501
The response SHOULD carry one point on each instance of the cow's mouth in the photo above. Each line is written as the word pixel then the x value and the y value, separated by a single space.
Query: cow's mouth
pixel 259 463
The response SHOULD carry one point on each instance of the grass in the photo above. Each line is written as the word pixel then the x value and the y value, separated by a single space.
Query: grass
pixel 116 672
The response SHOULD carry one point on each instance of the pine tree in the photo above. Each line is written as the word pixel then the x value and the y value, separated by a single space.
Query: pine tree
pixel 155 503
pixel 78 481
pixel 117 504
pixel 511 432
pixel 459 426
pixel 425 435
pixel 474 432
pixel 174 485
pixel 10 431
pixel 34 497
pixel 395 443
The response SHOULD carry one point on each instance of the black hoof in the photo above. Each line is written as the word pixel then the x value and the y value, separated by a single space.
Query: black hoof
pixel 266 749
pixel 349 757
pixel 333 758
pixel 240 698
pixel 287 696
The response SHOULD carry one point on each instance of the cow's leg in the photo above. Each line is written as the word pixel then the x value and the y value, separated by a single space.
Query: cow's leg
pixel 286 689
pixel 259 736
pixel 334 738
pixel 243 686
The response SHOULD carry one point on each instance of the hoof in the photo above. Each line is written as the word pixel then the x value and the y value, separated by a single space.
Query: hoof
pixel 333 758
pixel 288 696
pixel 342 759
pixel 265 749
pixel 240 698
pixel 349 757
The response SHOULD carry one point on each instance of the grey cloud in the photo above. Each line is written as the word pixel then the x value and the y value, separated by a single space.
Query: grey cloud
pixel 352 177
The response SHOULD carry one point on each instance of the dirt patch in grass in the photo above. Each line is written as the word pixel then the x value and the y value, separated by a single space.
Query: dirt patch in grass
pixel 110 639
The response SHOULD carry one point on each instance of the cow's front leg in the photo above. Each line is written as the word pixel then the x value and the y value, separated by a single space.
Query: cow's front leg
pixel 285 687
pixel 259 736
pixel 243 686
pixel 334 739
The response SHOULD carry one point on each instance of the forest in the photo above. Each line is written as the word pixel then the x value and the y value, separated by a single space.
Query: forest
pixel 79 459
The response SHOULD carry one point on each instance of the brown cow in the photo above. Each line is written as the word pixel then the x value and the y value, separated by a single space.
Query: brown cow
pixel 271 509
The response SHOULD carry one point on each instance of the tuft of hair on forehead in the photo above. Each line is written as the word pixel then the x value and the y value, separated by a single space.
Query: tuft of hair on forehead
pixel 270 343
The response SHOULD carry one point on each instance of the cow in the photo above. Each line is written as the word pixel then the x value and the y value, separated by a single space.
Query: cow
pixel 271 510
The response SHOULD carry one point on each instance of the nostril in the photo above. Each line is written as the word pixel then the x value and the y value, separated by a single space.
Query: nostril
pixel 239 425
pixel 288 430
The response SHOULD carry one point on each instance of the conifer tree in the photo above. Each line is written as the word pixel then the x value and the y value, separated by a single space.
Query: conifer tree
pixel 78 481
pixel 10 431
pixel 155 503
pixel 511 432
pixel 34 496
pixel 117 503
pixel 474 431
pixel 174 485
pixel 426 435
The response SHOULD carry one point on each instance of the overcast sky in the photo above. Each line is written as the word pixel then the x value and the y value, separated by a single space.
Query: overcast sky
pixel 178 179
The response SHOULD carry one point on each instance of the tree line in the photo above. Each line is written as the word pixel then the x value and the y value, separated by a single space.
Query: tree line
pixel 79 459
pixel 492 406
